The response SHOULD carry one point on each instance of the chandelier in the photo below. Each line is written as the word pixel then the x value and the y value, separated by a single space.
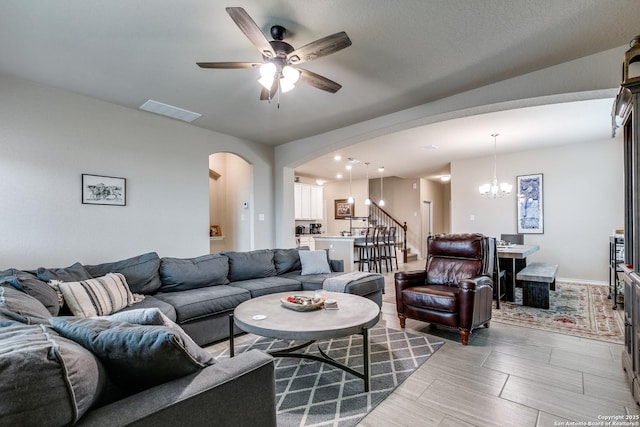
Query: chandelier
pixel 494 189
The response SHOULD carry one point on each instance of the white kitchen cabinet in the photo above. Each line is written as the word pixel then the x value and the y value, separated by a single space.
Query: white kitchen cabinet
pixel 308 202
pixel 306 240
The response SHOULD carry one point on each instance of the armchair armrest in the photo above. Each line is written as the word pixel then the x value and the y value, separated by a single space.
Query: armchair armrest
pixel 218 394
pixel 475 300
pixel 407 279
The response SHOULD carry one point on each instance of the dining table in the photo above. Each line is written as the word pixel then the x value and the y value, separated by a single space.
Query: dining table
pixel 512 252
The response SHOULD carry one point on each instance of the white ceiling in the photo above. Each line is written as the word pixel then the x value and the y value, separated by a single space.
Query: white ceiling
pixel 404 54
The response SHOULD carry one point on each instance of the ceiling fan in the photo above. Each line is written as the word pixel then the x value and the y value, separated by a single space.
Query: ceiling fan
pixel 279 67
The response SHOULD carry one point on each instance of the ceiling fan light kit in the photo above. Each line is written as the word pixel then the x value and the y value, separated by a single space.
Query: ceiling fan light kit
pixel 279 71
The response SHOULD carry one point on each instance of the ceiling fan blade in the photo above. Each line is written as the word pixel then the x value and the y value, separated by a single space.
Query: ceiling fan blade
pixel 229 64
pixel 266 95
pixel 317 81
pixel 318 48
pixel 251 30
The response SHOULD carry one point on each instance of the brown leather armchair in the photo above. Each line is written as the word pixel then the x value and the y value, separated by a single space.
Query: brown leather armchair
pixel 455 289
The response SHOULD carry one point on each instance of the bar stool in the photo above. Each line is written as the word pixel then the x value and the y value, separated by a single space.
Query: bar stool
pixel 379 247
pixel 390 247
pixel 365 250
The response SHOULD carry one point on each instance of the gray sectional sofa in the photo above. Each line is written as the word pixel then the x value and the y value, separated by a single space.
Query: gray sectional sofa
pixel 57 365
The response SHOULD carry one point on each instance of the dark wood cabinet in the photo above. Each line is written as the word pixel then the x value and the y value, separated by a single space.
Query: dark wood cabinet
pixel 625 115
pixel 631 352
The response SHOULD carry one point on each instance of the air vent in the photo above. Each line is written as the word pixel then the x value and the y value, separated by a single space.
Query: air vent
pixel 169 111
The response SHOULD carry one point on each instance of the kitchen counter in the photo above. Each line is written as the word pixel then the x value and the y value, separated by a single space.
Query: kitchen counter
pixel 340 247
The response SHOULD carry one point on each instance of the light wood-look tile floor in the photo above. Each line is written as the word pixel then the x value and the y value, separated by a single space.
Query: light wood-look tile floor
pixel 506 376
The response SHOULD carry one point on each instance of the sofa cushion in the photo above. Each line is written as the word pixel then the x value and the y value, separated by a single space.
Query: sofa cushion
pixel 250 265
pixel 46 379
pixel 142 272
pixel 286 260
pixel 190 273
pixel 68 274
pixel 314 262
pixel 21 307
pixel 29 284
pixel 136 356
pixel 204 302
pixel 268 285
pixel 96 297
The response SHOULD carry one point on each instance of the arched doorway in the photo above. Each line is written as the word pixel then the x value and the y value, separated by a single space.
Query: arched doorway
pixel 230 203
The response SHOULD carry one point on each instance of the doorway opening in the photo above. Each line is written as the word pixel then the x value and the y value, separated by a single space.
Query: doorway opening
pixel 427 225
pixel 230 203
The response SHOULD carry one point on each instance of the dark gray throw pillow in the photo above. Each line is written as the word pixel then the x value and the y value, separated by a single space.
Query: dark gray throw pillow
pixel 21 307
pixel 250 265
pixel 136 356
pixel 29 284
pixel 180 274
pixel 141 272
pixel 73 273
pixel 286 260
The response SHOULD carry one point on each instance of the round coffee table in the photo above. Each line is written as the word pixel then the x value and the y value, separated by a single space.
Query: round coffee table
pixel 267 317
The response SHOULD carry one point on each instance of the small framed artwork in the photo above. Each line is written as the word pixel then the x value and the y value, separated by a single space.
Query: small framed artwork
pixel 344 209
pixel 215 231
pixel 530 204
pixel 104 190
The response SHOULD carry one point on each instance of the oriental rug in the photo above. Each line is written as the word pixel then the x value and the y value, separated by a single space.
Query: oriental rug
pixel 575 309
pixel 312 393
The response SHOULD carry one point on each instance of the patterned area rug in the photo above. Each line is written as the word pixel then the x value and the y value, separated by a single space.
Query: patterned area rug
pixel 317 394
pixel 574 309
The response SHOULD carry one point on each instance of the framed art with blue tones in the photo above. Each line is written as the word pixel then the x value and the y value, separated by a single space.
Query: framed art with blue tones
pixel 530 204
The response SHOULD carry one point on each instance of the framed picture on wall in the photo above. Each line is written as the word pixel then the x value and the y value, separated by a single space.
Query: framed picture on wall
pixel 530 204
pixel 343 208
pixel 104 190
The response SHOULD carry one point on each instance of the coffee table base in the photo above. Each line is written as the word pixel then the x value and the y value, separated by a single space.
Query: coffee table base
pixel 324 358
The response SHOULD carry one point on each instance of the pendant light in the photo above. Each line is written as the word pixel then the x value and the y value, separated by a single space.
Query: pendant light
pixel 367 201
pixel 350 199
pixel 381 170
pixel 493 189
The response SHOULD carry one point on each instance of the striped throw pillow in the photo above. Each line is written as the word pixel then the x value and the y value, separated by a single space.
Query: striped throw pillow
pixel 97 297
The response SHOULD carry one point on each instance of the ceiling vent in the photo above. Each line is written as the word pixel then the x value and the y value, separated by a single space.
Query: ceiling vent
pixel 169 111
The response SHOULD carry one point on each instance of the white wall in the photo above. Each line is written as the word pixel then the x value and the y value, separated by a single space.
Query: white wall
pixel 48 138
pixel 583 203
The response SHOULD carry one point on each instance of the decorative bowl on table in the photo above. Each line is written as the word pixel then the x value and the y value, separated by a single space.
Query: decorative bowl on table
pixel 302 303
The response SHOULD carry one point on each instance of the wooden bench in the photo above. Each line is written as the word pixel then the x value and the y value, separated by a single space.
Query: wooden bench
pixel 537 278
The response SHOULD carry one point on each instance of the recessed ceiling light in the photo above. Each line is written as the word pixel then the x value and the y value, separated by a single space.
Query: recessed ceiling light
pixel 430 147
pixel 337 157
pixel 445 178
pixel 169 111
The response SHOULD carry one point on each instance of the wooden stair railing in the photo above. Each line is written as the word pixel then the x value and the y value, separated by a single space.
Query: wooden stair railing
pixel 378 216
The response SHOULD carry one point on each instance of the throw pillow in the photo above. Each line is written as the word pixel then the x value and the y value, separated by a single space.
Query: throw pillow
pixel 136 356
pixel 143 316
pixel 179 274
pixel 47 380
pixel 314 262
pixel 97 297
pixel 29 284
pixel 69 274
pixel 140 271
pixel 286 260
pixel 21 307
